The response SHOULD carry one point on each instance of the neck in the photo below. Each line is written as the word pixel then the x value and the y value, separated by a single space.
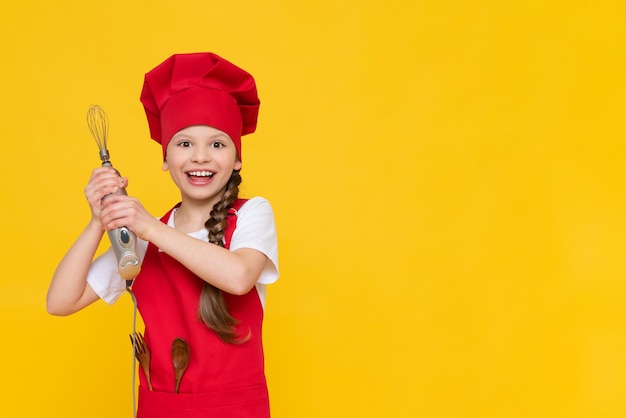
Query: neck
pixel 191 216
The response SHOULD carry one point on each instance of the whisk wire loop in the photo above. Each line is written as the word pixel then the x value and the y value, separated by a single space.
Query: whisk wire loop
pixel 98 123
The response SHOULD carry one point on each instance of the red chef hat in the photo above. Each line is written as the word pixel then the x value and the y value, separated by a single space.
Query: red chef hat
pixel 199 89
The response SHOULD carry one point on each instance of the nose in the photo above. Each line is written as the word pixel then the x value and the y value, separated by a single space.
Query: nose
pixel 201 155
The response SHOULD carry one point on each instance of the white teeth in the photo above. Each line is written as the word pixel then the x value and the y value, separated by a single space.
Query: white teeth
pixel 201 173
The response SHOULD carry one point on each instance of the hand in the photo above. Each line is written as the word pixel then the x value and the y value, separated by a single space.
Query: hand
pixel 121 210
pixel 104 181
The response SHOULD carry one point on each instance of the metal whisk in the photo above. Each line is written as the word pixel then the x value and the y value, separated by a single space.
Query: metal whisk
pixel 98 123
pixel 123 240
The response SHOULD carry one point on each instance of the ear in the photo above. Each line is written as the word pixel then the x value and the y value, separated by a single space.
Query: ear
pixel 165 167
pixel 237 166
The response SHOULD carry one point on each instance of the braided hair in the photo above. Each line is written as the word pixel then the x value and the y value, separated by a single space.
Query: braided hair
pixel 212 308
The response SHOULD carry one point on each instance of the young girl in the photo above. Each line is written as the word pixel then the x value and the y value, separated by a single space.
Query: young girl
pixel 205 263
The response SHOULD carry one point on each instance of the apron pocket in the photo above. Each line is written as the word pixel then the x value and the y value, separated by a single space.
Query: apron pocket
pixel 250 402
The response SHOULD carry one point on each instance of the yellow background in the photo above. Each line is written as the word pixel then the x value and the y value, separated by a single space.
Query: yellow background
pixel 447 177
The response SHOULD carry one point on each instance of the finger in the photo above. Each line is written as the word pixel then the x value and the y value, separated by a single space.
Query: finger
pixel 103 185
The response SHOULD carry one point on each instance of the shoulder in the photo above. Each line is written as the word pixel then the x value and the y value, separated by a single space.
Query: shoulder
pixel 255 218
pixel 256 229
pixel 256 206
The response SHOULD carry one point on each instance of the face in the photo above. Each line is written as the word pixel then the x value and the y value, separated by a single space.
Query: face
pixel 200 160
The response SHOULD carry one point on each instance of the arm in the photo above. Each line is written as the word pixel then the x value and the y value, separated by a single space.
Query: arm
pixel 234 272
pixel 69 291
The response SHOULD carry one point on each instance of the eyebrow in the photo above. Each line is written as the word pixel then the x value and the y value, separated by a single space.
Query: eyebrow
pixel 186 136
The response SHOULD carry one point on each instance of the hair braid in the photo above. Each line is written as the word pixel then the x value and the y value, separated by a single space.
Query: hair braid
pixel 212 308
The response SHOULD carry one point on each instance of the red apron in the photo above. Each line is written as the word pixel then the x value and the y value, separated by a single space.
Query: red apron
pixel 222 380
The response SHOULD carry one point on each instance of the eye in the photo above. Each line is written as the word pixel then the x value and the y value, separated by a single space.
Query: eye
pixel 184 144
pixel 217 144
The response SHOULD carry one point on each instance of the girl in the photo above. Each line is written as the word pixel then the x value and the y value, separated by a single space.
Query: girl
pixel 205 263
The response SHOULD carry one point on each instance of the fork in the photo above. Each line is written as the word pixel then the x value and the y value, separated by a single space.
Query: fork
pixel 143 354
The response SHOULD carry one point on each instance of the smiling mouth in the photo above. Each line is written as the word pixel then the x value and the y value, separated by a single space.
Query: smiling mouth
pixel 200 174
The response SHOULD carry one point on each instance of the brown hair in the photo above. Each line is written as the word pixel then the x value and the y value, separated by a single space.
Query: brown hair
pixel 212 308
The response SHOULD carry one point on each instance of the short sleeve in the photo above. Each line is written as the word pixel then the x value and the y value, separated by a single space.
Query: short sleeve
pixel 256 229
pixel 104 278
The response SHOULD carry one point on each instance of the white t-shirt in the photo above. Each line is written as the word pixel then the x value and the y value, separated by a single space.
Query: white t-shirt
pixel 255 229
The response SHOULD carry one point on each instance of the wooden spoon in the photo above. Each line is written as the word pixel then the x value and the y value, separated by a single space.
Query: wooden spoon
pixel 180 359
